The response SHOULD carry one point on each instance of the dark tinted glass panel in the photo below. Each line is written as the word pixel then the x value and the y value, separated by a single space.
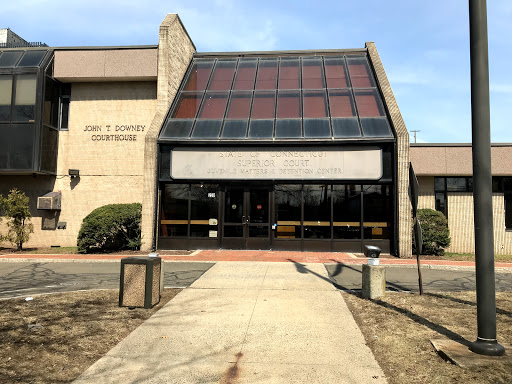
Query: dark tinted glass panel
pixel 317 211
pixel 177 128
pixel 204 205
pixel 346 211
pixel 335 72
pixel 239 105
pixel 470 184
pixel 288 201
pixel 368 104
pixel 258 231
pixel 507 184
pixel 245 75
pixel 312 74
pixel 377 212
pixel 234 129
pixel 5 97
pixel 258 206
pixel 233 231
pixel 165 162
pixel 24 109
pixel 263 106
pixel 359 73
pixel 22 146
pixel 496 184
pixel 341 104
pixel 49 149
pixel 261 129
pixel 174 214
pixel 456 184
pixel 234 205
pixel 441 203
pixel 288 104
pixel 188 104
pixel 439 184
pixel 199 76
pixel 31 58
pixel 51 103
pixel 508 210
pixel 5 134
pixel 317 128
pixel 289 74
pixel 345 128
pixel 288 129
pixel 64 117
pixel 10 58
pixel 223 75
pixel 207 129
pixel 315 104
pixel 214 106
pixel 375 128
pixel 267 74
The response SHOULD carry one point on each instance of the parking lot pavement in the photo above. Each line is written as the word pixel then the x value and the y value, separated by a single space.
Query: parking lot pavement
pixel 20 279
pixel 400 278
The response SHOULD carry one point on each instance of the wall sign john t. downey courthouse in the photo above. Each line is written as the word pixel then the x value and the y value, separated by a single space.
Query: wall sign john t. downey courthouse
pixel 114 132
pixel 276 164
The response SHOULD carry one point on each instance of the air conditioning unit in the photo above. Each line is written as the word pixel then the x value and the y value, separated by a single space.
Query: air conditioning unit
pixel 50 201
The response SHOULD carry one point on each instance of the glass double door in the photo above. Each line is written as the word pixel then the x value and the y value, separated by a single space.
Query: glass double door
pixel 246 223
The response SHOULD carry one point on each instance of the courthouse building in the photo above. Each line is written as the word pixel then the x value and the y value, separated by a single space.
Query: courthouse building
pixel 282 150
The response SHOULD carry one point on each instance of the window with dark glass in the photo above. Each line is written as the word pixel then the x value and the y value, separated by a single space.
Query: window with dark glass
pixel 174 214
pixel 289 74
pixel 315 104
pixel 245 75
pixel 312 73
pixel 10 58
pixel 346 211
pixel 267 74
pixel 368 103
pixel 377 212
pixel 341 104
pixel 204 205
pixel 288 205
pixel 214 105
pixel 335 72
pixel 51 103
pixel 222 77
pixel 360 75
pixel 65 100
pixel 288 105
pixel 317 211
pixel 188 105
pixel 263 106
pixel 239 105
pixel 199 76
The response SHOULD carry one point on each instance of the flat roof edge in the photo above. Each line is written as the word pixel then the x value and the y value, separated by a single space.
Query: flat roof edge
pixel 456 144
pixel 103 48
pixel 286 52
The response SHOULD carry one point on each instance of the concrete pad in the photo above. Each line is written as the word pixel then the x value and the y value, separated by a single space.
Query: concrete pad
pixel 233 275
pixel 246 323
pixel 258 373
pixel 297 276
pixel 460 354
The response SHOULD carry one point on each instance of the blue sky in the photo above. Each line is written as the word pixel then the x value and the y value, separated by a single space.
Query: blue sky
pixel 424 46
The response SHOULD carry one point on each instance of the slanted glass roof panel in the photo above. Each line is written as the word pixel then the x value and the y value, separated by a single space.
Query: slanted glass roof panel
pixel 32 58
pixel 331 97
pixel 9 59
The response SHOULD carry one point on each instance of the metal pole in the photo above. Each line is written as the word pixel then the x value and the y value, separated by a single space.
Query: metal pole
pixel 486 343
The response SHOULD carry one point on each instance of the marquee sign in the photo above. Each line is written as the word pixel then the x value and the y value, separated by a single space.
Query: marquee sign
pixel 276 164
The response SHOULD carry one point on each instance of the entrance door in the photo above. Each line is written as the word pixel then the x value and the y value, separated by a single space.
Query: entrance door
pixel 246 218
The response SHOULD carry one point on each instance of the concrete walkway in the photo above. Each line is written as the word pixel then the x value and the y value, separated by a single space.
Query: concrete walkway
pixel 246 322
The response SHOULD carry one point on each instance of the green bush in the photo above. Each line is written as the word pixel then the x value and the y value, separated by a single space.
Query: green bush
pixel 110 228
pixel 434 227
pixel 16 209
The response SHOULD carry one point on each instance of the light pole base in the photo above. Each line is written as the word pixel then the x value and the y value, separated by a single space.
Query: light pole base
pixel 487 347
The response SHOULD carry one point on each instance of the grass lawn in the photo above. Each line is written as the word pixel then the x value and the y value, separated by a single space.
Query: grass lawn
pixel 54 338
pixel 398 328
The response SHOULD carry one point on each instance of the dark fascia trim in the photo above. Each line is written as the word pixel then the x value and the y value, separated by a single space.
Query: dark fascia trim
pixel 456 144
pixel 278 142
pixel 312 52
pixel 105 48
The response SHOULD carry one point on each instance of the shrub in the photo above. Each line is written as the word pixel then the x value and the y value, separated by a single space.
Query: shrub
pixel 434 227
pixel 110 228
pixel 17 211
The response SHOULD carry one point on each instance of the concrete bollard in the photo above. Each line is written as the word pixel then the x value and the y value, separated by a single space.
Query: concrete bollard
pixel 374 281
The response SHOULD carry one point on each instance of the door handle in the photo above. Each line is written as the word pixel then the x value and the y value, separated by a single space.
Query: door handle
pixel 243 220
pixel 248 219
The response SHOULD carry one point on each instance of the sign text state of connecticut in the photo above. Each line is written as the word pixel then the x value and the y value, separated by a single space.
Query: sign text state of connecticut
pixel 276 164
pixel 114 132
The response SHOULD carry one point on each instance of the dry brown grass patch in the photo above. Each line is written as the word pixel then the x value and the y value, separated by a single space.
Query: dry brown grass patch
pixel 398 328
pixel 54 338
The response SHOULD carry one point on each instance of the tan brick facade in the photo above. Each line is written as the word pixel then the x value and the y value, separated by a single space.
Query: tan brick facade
pixel 461 220
pixel 404 205
pixel 175 50
pixel 107 126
